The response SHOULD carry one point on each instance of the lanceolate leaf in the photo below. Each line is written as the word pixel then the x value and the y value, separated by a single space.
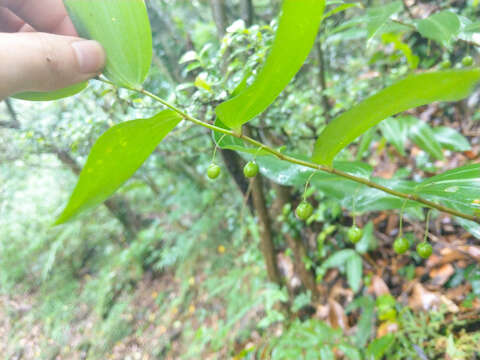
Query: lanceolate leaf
pixel 451 139
pixel 378 347
pixel 52 95
pixel 297 30
pixel 341 8
pixel 441 27
pixel 415 90
pixel 354 270
pixel 422 134
pixel 395 132
pixel 123 28
pixel 378 16
pixel 458 188
pixel 115 157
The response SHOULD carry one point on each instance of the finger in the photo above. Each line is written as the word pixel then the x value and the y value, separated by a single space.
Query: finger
pixel 46 62
pixel 43 15
pixel 9 22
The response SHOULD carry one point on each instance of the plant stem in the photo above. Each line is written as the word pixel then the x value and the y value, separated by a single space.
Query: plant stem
pixel 293 160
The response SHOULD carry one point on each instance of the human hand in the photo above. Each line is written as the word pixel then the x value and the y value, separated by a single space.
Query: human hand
pixel 49 59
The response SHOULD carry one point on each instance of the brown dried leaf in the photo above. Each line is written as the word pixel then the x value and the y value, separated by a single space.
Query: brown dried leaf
pixel 286 267
pixel 441 274
pixel 378 286
pixel 450 305
pixel 433 261
pixel 473 251
pixel 331 275
pixel 322 312
pixel 339 290
pixel 336 315
pixel 449 255
pixel 471 155
pixel 386 328
pixel 423 299
pixel 458 293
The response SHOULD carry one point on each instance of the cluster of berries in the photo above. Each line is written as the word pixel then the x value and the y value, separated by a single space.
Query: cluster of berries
pixel 401 245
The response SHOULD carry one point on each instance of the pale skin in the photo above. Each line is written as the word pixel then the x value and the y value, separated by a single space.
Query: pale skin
pixel 40 49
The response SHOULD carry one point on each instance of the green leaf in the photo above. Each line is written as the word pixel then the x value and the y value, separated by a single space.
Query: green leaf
pixel 350 351
pixel 52 95
pixel 115 157
pixel 440 27
pixel 368 240
pixel 339 258
pixel 422 134
pixel 451 139
pixel 378 347
pixel 458 188
pixel 297 30
pixel 123 28
pixel 341 8
pixel 472 227
pixel 201 83
pixel 378 16
pixel 395 132
pixel 414 91
pixel 396 39
pixel 354 269
pixel 326 353
pixel 366 321
pixel 472 27
pixel 365 144
pixel 333 186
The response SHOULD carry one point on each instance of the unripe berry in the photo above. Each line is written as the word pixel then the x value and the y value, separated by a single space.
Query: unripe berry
pixel 401 245
pixel 304 210
pixel 424 249
pixel 467 61
pixel 445 64
pixel 251 169
pixel 355 234
pixel 213 171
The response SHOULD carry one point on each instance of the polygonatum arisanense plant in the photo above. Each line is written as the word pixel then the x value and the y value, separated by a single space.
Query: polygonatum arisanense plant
pixel 123 28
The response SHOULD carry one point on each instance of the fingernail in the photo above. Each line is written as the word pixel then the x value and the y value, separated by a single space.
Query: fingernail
pixel 90 56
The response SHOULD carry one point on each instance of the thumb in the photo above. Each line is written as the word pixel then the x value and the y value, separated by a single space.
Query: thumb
pixel 46 62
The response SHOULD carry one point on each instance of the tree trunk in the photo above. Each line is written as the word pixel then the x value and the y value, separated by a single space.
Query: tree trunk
pixel 266 235
pixel 300 253
pixel 322 81
pixel 233 163
pixel 282 197
pixel 248 13
pixel 219 16
pixel 13 123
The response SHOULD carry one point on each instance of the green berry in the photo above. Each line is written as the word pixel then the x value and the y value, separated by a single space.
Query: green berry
pixel 401 245
pixel 213 171
pixel 445 64
pixel 355 234
pixel 467 61
pixel 251 169
pixel 424 249
pixel 304 210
